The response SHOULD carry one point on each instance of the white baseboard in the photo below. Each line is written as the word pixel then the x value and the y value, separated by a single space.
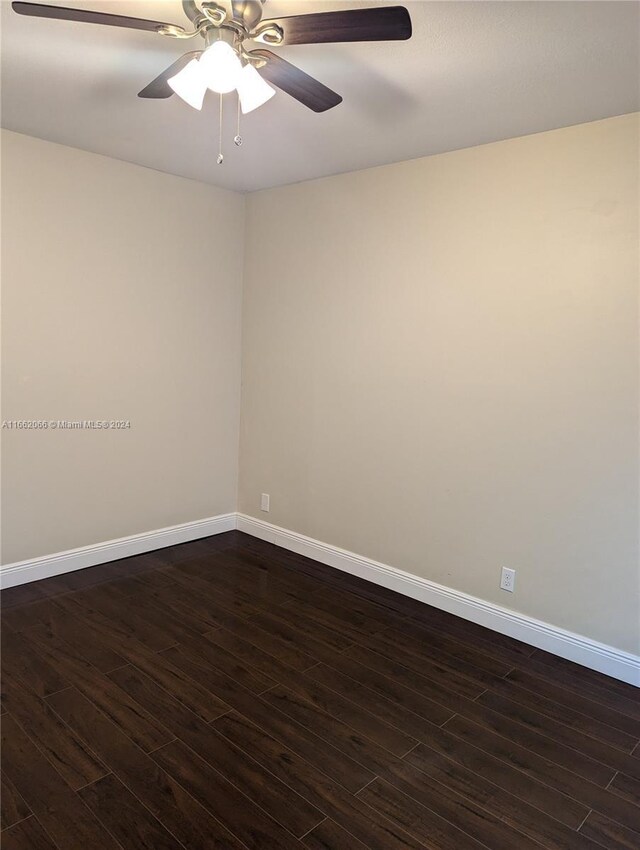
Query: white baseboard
pixel 590 653
pixel 35 569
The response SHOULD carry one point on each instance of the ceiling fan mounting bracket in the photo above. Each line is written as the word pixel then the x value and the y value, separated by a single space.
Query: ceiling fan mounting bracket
pixel 172 31
pixel 215 19
pixel 215 13
pixel 268 33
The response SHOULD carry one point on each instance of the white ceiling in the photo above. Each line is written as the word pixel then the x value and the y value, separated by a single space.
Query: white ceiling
pixel 473 72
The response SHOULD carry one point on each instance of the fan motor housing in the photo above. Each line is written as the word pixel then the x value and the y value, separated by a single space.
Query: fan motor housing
pixel 247 12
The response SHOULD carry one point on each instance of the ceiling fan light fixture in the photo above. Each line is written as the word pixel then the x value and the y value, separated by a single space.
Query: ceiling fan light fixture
pixel 226 28
pixel 189 84
pixel 220 67
pixel 253 90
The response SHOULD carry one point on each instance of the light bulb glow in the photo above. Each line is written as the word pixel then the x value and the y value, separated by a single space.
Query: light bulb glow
pixel 252 89
pixel 220 67
pixel 189 84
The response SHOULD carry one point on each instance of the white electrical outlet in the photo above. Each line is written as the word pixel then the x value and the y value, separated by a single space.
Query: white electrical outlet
pixel 508 580
pixel 264 502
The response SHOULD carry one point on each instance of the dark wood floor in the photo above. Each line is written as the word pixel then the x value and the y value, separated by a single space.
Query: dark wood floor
pixel 227 694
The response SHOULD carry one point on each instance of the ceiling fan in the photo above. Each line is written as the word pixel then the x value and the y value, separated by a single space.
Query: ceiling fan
pixel 225 64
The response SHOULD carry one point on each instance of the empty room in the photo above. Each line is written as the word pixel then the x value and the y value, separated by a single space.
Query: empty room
pixel 320 471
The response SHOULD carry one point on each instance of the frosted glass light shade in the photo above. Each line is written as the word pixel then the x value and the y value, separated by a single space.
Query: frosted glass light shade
pixel 220 67
pixel 252 89
pixel 189 84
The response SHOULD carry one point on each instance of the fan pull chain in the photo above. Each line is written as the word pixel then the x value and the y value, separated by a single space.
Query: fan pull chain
pixel 220 159
pixel 238 137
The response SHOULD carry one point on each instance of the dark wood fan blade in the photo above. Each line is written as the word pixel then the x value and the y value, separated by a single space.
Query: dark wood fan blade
pixel 389 23
pixel 37 10
pixel 296 82
pixel 160 87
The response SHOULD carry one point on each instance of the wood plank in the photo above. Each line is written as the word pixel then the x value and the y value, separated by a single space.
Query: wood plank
pixel 626 787
pixel 21 659
pixel 27 835
pixel 169 712
pixel 367 825
pixel 392 690
pixel 232 763
pixel 351 713
pixel 425 824
pixel 105 626
pixel 161 605
pixel 350 773
pixel 469 632
pixel 298 565
pixel 482 794
pixel 283 650
pixel 333 703
pixel 229 806
pixel 291 582
pixel 581 703
pixel 23 594
pixel 356 745
pixel 566 781
pixel 527 736
pixel 391 712
pixel 97 687
pixel 182 602
pixel 144 584
pixel 309 628
pixel 280 802
pixel 229 575
pixel 625 702
pixel 154 629
pixel 330 620
pixel 218 682
pixel 166 799
pixel 435 641
pixel 124 816
pixel 76 763
pixel 503 775
pixel 59 809
pixel 452 673
pixel 208 650
pixel 585 744
pixel 80 635
pixel 12 805
pixel 228 645
pixel 586 724
pixel 337 579
pixel 609 834
pixel 576 672
pixel 409 679
pixel 23 617
pixel 330 836
pixel 227 601
pixel 306 640
pixel 366 616
pixel 189 691
pixel 404 783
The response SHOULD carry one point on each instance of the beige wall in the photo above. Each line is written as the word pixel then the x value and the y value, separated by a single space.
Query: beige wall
pixel 440 362
pixel 440 370
pixel 121 294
